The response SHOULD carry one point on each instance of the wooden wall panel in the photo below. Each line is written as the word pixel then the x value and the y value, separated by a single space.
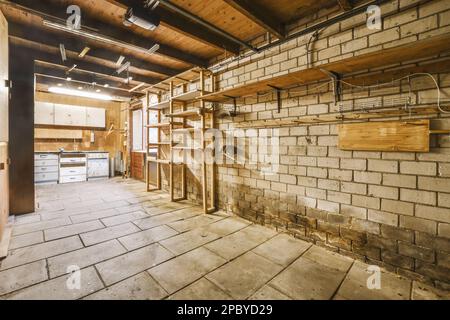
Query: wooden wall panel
pixel 4 92
pixel 104 140
pixel 405 136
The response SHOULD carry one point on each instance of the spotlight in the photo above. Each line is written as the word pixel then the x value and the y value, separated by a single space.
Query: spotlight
pixel 141 18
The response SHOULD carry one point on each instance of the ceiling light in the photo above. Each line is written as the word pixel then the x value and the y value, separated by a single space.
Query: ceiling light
pixel 62 49
pixel 153 4
pixel 94 36
pixel 85 94
pixel 84 52
pixel 120 61
pixel 137 87
pixel 141 18
pixel 80 88
pixel 106 85
pixel 98 90
pixel 123 67
pixel 59 84
pixel 69 79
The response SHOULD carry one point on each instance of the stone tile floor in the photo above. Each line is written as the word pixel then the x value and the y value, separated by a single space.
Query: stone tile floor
pixel 130 244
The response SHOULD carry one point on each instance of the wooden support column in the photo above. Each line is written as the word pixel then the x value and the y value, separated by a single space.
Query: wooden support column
pixel 171 128
pixel 213 165
pixel 203 144
pixel 21 131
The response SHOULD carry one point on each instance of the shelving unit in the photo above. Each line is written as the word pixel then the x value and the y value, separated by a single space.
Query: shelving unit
pixel 176 110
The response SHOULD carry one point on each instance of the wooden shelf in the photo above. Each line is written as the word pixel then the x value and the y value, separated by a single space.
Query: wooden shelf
pixel 186 148
pixel 186 114
pixel 159 106
pixel 157 144
pixel 188 96
pixel 163 125
pixel 429 47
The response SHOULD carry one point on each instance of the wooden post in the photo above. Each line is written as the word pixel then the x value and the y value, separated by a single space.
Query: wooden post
pixel 147 163
pixel 213 165
pixel 171 127
pixel 203 143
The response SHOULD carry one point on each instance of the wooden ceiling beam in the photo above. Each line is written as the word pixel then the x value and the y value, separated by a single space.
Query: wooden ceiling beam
pixel 40 52
pixel 52 9
pixel 73 44
pixel 259 15
pixel 345 5
pixel 185 26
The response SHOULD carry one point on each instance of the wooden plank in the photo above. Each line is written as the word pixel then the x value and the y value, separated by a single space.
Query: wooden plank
pixel 259 15
pixel 405 136
pixel 4 242
pixel 419 49
pixel 40 133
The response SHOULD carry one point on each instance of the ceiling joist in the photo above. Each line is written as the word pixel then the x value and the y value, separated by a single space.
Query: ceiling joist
pixel 105 29
pixel 259 15
pixel 345 5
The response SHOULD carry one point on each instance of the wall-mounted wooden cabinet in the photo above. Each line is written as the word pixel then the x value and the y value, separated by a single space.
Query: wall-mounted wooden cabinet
pixel 50 114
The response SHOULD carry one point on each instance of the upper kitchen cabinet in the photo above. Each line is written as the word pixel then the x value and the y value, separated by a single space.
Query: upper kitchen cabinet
pixel 44 113
pixel 72 116
pixel 95 117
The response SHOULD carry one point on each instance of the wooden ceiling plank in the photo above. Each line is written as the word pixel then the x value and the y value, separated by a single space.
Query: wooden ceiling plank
pixel 108 30
pixel 259 15
pixel 185 26
pixel 345 5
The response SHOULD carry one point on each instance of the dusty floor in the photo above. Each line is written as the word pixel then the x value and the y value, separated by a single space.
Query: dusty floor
pixel 130 244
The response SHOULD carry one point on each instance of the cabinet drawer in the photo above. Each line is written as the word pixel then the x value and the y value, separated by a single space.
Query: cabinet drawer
pixel 46 169
pixel 98 155
pixel 46 177
pixel 45 163
pixel 73 160
pixel 45 156
pixel 64 172
pixel 71 179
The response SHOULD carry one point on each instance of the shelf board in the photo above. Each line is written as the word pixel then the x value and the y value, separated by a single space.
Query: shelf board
pixel 429 47
pixel 186 148
pixel 160 105
pixel 189 96
pixel 160 161
pixel 163 125
pixel 186 114
pixel 156 144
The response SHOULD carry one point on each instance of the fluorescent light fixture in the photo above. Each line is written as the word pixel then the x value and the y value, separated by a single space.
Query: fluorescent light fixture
pixel 120 61
pixel 142 19
pixel 153 49
pixel 79 93
pixel 71 69
pixel 153 4
pixel 94 36
pixel 62 49
pixel 137 87
pixel 124 67
pixel 84 52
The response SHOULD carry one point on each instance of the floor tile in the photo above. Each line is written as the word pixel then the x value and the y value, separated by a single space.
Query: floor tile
pixel 73 229
pixel 269 293
pixel 177 273
pixel 84 257
pixel 422 291
pixel 328 259
pixel 39 226
pixel 166 218
pixel 227 226
pixel 123 218
pixel 23 276
pixel 188 241
pixel 139 287
pixel 195 222
pixel 132 263
pixel 355 286
pixel 58 289
pixel 26 240
pixel 203 289
pixel 94 215
pixel 40 251
pixel 240 242
pixel 282 249
pixel 308 280
pixel 94 237
pixel 242 277
pixel 144 238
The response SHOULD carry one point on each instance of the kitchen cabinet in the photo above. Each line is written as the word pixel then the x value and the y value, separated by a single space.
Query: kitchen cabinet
pixel 66 115
pixel 44 113
pixel 98 165
pixel 95 117
pixel 72 167
pixel 46 168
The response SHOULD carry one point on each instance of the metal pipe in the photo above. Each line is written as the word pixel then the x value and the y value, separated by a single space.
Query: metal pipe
pixel 202 22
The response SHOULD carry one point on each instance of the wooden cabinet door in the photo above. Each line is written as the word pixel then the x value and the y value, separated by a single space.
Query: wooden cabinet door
pixel 4 118
pixel 78 116
pixel 95 117
pixel 44 113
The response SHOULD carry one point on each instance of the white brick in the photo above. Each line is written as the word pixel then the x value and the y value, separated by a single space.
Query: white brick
pixel 434 184
pixel 383 217
pixel 398 180
pixel 418 224
pixel 403 208
pixel 367 177
pixel 384 192
pixel 418 168
pixel 383 166
pixel 418 196
pixel 433 213
pixel 366 202
pixel 352 211
pixel 328 206
pixel 354 188
pixel 353 164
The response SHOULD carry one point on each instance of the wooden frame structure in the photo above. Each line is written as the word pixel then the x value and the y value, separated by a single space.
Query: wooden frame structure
pixel 178 116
